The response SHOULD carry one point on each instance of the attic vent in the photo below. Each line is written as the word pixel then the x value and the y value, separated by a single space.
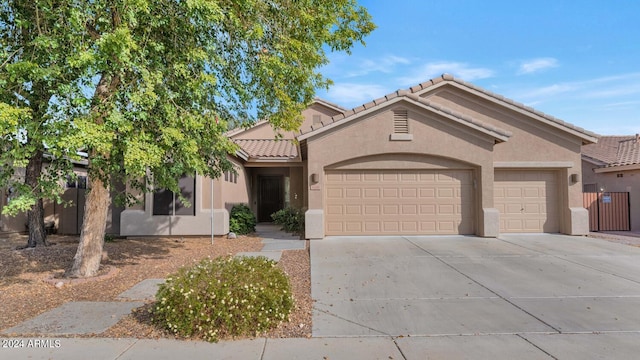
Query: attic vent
pixel 317 119
pixel 400 122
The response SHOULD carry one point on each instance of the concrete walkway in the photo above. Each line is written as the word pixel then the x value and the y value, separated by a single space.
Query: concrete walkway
pixel 274 242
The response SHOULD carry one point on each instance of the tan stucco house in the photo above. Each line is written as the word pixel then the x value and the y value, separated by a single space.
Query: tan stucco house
pixel 443 157
pixel 613 165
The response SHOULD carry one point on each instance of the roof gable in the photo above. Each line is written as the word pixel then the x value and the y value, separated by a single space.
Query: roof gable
pixel 399 96
pixel 414 93
pixel 264 130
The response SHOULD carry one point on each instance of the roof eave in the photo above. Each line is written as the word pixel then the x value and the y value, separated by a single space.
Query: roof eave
pixel 242 154
pixel 593 161
pixel 617 168
pixel 330 105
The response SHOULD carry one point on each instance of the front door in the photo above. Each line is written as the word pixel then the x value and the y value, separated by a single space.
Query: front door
pixel 270 196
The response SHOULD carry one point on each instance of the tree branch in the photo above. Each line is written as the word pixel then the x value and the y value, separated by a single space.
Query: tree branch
pixel 9 57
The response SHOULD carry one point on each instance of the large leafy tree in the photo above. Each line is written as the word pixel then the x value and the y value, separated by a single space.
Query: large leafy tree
pixel 36 82
pixel 158 76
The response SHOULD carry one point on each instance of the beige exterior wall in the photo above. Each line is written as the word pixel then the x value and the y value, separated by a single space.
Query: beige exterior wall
pixel 609 181
pixel 142 222
pixel 232 193
pixel 533 145
pixel 438 143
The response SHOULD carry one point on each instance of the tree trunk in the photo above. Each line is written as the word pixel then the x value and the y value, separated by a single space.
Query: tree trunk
pixel 87 259
pixel 35 216
pixel 86 262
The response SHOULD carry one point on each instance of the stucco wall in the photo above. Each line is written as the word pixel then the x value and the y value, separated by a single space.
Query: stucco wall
pixel 533 143
pixel 237 192
pixel 366 142
pixel 142 222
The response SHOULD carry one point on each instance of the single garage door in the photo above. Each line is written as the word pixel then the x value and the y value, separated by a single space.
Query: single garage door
pixel 527 200
pixel 409 202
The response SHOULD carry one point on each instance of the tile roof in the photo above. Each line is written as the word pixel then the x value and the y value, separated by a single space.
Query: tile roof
pixel 269 148
pixel 449 78
pixel 461 118
pixel 614 150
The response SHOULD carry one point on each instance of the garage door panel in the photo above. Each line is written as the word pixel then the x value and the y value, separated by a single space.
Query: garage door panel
pixel 371 177
pixel 334 193
pixel 391 209
pixel 390 193
pixel 351 226
pixel 527 200
pixel 353 210
pixel 390 226
pixel 372 227
pixel 389 177
pixel 400 202
pixel 335 210
pixel 428 227
pixel 446 226
pixel 409 193
pixel 427 193
pixel 409 226
pixel 427 177
pixel 446 193
pixel 372 210
pixel 428 209
pixel 409 209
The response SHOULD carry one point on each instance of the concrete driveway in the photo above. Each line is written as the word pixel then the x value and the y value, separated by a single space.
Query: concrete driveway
pixel 544 295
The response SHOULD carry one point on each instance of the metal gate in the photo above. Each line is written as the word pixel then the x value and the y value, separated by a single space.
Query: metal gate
pixel 608 211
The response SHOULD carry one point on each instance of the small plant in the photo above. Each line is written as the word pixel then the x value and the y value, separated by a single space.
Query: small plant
pixel 224 297
pixel 291 220
pixel 242 220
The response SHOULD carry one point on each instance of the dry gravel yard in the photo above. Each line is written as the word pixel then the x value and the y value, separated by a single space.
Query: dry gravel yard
pixel 24 293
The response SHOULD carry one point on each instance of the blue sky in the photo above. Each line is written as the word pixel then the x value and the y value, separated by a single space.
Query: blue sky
pixel 576 60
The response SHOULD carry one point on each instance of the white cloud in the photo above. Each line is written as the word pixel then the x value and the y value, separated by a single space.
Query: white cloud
pixel 352 94
pixel 617 86
pixel 434 69
pixel 384 65
pixel 537 65
pixel 550 90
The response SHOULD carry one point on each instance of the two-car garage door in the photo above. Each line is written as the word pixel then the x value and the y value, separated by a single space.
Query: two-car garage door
pixel 378 202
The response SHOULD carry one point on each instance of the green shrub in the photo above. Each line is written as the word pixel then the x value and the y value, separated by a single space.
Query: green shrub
pixel 224 297
pixel 291 220
pixel 242 220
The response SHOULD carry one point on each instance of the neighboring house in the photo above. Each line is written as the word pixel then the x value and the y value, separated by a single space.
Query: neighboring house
pixel 66 219
pixel 613 165
pixel 443 157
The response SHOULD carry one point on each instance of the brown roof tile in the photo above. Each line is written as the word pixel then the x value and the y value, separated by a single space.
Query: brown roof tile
pixel 269 148
pixel 614 150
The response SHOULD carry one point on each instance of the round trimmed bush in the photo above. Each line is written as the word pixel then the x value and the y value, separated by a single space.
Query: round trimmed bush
pixel 224 297
pixel 241 220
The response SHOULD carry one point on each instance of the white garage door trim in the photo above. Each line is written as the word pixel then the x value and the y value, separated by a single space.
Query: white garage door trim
pixel 527 200
pixel 404 202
